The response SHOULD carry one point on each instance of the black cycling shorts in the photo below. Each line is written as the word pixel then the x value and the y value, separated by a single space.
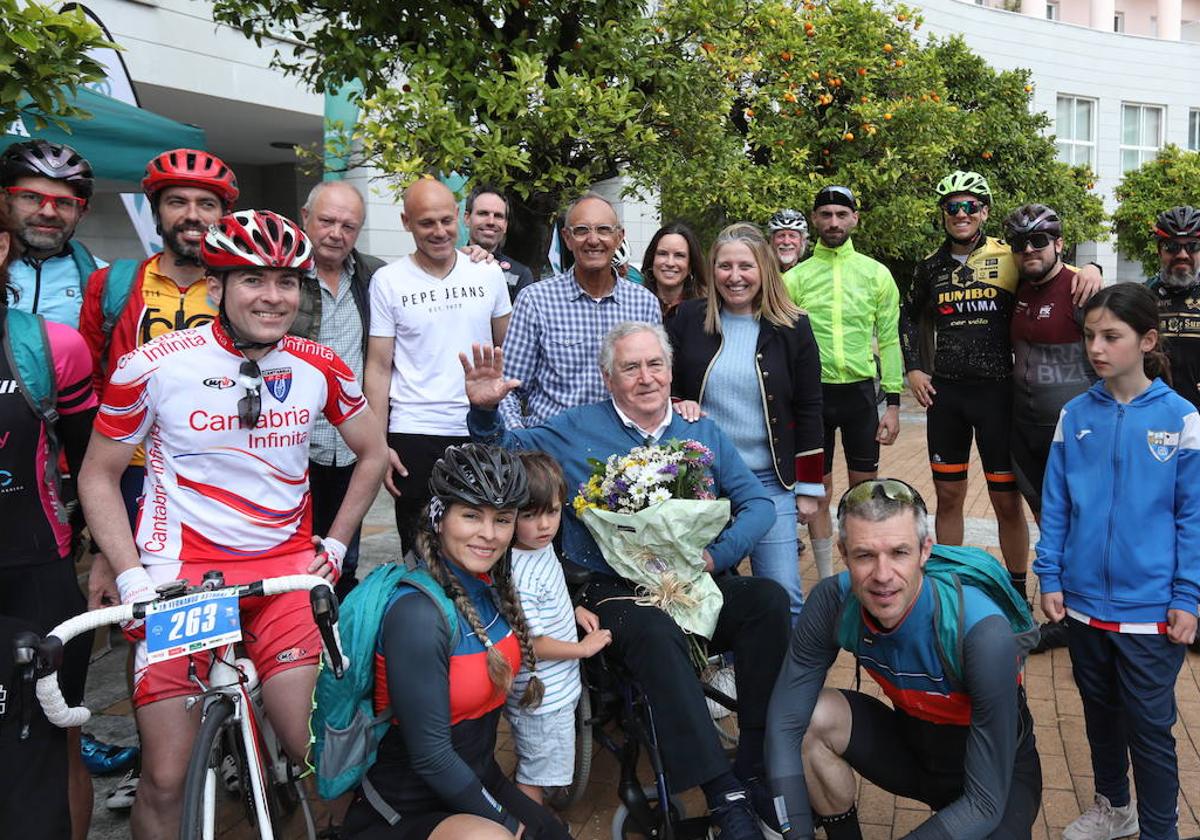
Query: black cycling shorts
pixel 961 410
pixel 851 407
pixel 363 822
pixel 44 595
pixel 923 761
pixel 1030 454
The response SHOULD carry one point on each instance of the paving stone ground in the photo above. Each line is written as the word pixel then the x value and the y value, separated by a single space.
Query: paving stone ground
pixel 1053 699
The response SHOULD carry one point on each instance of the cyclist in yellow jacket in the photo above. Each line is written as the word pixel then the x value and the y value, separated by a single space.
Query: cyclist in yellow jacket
pixel 853 305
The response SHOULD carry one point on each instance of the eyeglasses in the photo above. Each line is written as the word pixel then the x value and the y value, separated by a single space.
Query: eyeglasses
pixel 1174 246
pixel 602 231
pixel 1038 240
pixel 881 488
pixel 250 406
pixel 32 201
pixel 969 207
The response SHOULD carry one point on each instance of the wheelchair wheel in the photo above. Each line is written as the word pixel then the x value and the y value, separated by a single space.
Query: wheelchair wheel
pixel 562 798
pixel 623 827
pixel 724 719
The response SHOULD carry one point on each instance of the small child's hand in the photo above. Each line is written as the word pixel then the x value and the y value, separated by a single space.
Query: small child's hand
pixel 587 619
pixel 1181 627
pixel 594 642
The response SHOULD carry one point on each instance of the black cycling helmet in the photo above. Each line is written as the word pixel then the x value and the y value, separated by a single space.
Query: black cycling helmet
pixel 41 159
pixel 788 219
pixel 1178 221
pixel 1032 218
pixel 481 476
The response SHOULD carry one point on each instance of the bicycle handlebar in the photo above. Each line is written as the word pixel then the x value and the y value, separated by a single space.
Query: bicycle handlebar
pixel 50 651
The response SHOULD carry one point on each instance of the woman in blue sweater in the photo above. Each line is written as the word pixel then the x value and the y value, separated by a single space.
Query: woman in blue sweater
pixel 747 354
pixel 1119 559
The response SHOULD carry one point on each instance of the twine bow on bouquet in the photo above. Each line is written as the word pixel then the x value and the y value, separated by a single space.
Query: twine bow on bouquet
pixel 652 512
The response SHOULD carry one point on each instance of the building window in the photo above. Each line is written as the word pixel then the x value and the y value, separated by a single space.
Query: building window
pixel 1075 131
pixel 1141 134
pixel 1119 22
pixel 1194 130
pixel 1052 11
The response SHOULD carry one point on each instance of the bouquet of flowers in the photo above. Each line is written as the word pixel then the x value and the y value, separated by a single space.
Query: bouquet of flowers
pixel 652 512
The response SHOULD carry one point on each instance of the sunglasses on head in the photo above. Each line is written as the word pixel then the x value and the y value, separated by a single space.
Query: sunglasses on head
pixel 1038 240
pixel 1174 246
pixel 880 488
pixel 969 206
pixel 250 406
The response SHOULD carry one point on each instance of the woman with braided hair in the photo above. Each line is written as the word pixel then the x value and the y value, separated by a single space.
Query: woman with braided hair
pixel 436 775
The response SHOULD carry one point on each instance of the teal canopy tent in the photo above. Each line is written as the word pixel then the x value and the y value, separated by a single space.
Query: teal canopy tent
pixel 118 139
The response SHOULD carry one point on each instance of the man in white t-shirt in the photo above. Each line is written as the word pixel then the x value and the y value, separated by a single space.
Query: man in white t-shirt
pixel 426 308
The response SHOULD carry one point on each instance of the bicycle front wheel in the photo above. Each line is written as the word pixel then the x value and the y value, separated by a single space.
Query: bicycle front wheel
pixel 200 786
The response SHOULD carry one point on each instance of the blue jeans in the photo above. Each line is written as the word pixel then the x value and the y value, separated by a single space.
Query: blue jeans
pixel 775 555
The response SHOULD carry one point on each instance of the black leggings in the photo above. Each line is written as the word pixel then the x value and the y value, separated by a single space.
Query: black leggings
pixel 363 822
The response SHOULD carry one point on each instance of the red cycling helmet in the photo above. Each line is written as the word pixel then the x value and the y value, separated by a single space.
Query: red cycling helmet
pixel 255 238
pixel 190 168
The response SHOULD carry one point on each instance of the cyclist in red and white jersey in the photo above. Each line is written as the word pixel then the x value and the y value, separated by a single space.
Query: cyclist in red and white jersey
pixel 225 411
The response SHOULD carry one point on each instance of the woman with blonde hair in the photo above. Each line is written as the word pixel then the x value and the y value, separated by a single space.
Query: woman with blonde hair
pixel 747 354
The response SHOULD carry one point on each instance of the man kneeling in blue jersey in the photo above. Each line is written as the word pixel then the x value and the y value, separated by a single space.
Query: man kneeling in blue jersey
pixel 943 633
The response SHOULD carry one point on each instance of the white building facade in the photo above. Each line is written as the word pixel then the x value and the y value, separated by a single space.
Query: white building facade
pixel 1119 78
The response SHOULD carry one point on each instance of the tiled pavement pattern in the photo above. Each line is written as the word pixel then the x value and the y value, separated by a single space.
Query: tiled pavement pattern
pixel 1053 698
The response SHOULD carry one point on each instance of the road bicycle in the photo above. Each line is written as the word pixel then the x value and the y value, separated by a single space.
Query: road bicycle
pixel 235 747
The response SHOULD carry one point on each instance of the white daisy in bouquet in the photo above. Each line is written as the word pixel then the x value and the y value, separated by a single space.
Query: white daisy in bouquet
pixel 652 513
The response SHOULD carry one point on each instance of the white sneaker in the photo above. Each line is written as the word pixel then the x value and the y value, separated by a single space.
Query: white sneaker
pixel 121 799
pixel 1103 822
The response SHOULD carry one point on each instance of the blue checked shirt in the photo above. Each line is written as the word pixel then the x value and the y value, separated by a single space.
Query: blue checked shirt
pixel 553 344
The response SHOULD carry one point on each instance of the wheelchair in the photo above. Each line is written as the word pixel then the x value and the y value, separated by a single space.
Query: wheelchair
pixel 614 713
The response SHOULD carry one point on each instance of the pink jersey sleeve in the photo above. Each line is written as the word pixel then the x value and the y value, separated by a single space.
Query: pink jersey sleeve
pixel 72 369
pixel 126 412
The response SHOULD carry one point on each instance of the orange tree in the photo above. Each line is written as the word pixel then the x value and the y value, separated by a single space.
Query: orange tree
pixel 1157 185
pixel 847 91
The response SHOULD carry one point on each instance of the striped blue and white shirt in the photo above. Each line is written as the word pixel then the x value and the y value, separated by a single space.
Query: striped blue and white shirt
pixel 538 578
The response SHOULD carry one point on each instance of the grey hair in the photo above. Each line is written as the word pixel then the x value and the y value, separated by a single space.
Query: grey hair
pixel 590 195
pixel 624 330
pixel 321 186
pixel 880 508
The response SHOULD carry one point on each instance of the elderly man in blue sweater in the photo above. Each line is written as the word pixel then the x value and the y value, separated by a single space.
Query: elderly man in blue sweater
pixel 635 362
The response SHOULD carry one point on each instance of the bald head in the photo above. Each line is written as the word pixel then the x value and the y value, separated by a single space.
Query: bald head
pixel 431 216
pixel 333 217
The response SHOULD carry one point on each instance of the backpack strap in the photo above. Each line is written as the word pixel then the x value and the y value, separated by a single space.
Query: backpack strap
pixel 118 282
pixel 27 350
pixel 85 263
pixel 375 800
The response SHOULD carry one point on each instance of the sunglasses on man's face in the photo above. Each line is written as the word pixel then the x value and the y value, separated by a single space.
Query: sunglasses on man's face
pixel 32 201
pixel 1174 246
pixel 250 406
pixel 1038 241
pixel 969 207
pixel 880 488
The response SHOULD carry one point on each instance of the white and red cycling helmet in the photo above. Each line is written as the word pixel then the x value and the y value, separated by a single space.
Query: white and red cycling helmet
pixel 256 239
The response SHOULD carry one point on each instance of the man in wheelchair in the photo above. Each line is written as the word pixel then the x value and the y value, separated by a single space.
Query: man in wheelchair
pixel 635 360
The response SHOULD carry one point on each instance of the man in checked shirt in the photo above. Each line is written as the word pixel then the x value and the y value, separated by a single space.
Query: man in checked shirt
pixel 553 341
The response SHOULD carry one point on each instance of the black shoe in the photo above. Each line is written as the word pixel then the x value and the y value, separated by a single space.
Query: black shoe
pixel 735 817
pixel 1053 635
pixel 764 807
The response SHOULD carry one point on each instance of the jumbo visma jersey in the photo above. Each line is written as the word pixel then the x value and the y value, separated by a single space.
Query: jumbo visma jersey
pixel 954 319
pixel 213 489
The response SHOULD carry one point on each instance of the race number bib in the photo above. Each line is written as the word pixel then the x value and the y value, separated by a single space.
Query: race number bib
pixel 188 625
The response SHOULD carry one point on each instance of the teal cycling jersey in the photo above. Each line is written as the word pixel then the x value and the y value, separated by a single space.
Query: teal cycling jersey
pixel 52 288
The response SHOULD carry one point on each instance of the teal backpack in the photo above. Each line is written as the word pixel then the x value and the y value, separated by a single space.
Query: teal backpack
pixel 949 569
pixel 345 727
pixel 27 351
pixel 118 283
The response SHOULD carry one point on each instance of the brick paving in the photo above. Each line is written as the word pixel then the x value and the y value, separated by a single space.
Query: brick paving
pixel 1053 699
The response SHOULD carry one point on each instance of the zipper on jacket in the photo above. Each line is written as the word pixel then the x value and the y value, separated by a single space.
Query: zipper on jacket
pixel 1116 462
pixel 37 285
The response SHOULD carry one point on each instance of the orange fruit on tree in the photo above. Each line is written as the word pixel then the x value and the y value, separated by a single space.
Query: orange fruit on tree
pixel 848 136
pixel 887 48
pixel 887 116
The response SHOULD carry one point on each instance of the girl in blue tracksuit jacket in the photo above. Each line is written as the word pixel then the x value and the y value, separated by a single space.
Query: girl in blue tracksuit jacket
pixel 1119 557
